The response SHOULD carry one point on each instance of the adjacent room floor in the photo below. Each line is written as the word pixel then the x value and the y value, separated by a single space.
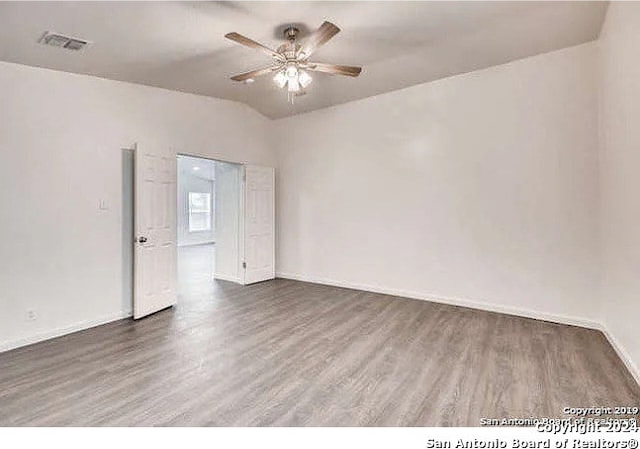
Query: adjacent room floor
pixel 195 274
pixel 290 353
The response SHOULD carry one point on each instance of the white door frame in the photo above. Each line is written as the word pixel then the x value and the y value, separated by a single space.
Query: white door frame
pixel 242 278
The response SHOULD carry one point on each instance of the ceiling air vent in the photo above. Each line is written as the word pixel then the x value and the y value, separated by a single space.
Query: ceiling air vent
pixel 62 41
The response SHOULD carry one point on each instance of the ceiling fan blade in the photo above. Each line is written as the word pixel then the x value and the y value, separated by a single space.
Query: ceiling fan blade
pixel 239 38
pixel 252 74
pixel 335 69
pixel 326 31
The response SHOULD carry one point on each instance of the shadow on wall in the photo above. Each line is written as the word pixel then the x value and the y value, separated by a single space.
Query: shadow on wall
pixel 127 230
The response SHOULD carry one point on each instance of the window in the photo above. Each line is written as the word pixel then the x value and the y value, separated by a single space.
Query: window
pixel 199 212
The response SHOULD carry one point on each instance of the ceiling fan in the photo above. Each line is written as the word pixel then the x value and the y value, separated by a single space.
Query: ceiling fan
pixel 291 62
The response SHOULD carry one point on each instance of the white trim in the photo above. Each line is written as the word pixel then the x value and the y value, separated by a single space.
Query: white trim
pixel 622 353
pixel 59 332
pixel 473 304
pixel 562 319
pixel 241 211
pixel 225 277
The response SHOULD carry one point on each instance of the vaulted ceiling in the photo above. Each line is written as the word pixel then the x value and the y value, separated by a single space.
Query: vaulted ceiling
pixel 181 45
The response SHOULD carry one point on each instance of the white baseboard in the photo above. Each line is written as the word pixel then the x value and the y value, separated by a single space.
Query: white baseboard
pixel 622 353
pixel 13 344
pixel 487 306
pixel 472 304
pixel 225 277
pixel 482 305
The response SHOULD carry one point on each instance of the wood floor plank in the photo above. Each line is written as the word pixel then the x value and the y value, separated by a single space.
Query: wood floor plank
pixel 289 353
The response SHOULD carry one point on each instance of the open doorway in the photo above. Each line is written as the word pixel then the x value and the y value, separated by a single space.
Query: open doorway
pixel 227 227
pixel 208 224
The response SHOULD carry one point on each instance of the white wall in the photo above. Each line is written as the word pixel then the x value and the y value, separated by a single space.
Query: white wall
pixel 620 168
pixel 479 188
pixel 61 141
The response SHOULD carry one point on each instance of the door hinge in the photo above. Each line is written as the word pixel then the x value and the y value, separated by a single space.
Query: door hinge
pixel 244 265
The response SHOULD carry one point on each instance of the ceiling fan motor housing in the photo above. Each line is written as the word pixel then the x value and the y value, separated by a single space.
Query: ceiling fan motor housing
pixel 289 49
pixel 291 32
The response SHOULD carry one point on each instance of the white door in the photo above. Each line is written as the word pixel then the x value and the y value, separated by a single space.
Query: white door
pixel 259 224
pixel 155 215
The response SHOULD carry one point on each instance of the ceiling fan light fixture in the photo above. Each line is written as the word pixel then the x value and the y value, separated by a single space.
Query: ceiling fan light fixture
pixel 304 79
pixel 293 85
pixel 280 79
pixel 292 71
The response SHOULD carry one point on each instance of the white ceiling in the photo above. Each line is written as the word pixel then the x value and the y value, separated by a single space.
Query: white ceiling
pixel 198 167
pixel 181 45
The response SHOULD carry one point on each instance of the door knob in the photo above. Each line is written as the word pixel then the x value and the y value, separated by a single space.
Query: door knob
pixel 142 240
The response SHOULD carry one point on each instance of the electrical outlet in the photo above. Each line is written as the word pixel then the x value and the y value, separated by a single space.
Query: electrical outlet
pixel 31 315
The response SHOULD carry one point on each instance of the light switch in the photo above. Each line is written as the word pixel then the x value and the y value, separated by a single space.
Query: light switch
pixel 103 204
